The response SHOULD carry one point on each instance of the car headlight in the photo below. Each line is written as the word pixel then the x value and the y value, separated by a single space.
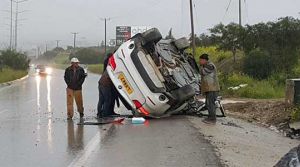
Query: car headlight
pixel 48 70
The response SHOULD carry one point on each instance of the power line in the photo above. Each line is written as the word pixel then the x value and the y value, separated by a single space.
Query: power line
pixel 226 10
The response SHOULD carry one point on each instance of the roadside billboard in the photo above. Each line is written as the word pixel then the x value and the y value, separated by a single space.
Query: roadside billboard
pixel 123 33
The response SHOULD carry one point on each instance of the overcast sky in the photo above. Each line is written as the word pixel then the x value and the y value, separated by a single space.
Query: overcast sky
pixel 48 20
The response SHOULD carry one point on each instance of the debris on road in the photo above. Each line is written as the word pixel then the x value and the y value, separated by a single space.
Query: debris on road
pixel 103 121
pixel 138 120
pixel 238 87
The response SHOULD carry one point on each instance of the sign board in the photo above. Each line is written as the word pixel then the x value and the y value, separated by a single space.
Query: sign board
pixel 123 33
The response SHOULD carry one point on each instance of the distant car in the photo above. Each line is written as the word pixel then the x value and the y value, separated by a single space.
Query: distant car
pixel 43 70
pixel 155 76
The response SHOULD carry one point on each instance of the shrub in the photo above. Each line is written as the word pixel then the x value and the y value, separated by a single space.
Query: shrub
pixel 14 60
pixel 258 64
pixel 295 115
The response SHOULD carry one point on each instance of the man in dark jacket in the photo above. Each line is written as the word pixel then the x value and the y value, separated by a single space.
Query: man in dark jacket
pixel 74 78
pixel 108 94
pixel 209 87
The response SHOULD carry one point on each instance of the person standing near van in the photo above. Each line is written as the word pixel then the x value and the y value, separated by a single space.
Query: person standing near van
pixel 74 78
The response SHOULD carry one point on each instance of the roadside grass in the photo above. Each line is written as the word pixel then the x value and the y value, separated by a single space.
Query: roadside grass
pixel 95 68
pixel 256 89
pixel 8 74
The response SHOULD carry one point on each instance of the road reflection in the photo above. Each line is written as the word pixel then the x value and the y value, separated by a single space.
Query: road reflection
pixel 75 141
pixel 40 80
pixel 38 96
pixel 49 134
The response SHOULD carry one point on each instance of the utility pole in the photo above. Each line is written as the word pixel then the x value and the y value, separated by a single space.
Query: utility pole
pixel 105 20
pixel 240 13
pixel 57 42
pixel 192 27
pixel 74 34
pixel 11 24
pixel 16 21
pixel 16 25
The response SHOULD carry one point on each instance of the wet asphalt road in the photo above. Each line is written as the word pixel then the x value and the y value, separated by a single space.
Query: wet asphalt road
pixel 34 132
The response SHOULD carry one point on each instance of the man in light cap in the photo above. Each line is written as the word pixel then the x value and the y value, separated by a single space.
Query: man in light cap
pixel 209 87
pixel 74 78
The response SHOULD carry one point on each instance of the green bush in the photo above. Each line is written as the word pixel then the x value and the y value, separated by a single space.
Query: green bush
pixel 295 115
pixel 258 64
pixel 14 60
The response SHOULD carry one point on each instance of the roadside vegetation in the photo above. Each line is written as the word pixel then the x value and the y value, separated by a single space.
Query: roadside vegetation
pixel 262 56
pixel 93 57
pixel 8 74
pixel 13 65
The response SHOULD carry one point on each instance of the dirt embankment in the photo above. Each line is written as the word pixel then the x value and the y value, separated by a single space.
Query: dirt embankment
pixel 266 112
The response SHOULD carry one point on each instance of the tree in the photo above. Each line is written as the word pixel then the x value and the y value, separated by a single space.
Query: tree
pixel 197 40
pixel 15 60
pixel 204 40
pixel 227 37
pixel 69 48
pixel 58 49
pixel 280 39
pixel 258 64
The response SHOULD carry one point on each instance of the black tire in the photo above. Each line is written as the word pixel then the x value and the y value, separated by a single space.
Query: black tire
pixel 182 43
pixel 151 36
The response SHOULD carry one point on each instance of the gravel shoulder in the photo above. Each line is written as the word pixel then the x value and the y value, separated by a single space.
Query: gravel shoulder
pixel 240 143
